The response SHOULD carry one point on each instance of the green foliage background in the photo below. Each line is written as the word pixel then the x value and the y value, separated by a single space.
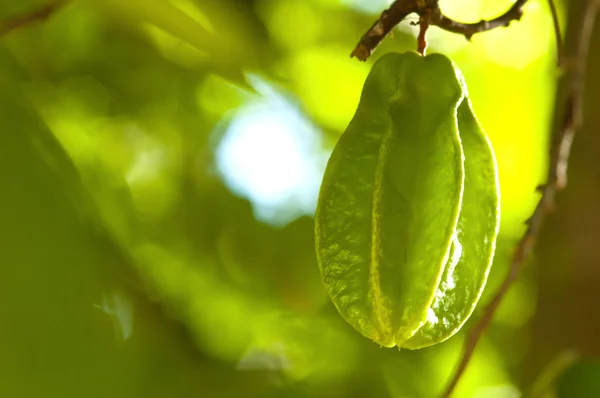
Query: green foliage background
pixel 130 266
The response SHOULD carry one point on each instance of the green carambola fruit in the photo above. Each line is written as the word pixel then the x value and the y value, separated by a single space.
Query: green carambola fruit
pixel 408 211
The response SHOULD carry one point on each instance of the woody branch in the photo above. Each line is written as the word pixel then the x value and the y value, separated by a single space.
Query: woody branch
pixel 430 14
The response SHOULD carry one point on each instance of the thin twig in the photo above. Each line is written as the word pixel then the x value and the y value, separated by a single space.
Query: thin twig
pixel 557 33
pixel 514 13
pixel 37 15
pixel 429 9
pixel 382 27
pixel 422 39
pixel 557 180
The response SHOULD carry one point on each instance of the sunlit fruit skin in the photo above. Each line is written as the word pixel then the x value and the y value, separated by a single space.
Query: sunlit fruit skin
pixel 407 216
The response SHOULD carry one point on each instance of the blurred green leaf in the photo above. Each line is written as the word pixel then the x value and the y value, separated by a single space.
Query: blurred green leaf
pixel 217 44
pixel 581 380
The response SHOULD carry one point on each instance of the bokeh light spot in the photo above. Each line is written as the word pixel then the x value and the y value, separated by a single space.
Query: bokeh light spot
pixel 332 90
pixel 271 155
pixel 285 30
